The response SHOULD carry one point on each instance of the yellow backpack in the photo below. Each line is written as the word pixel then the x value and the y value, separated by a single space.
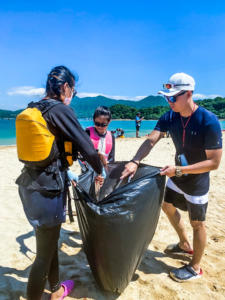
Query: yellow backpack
pixel 36 145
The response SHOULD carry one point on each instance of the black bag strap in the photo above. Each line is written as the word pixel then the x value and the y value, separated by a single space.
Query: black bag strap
pixel 44 105
pixel 70 211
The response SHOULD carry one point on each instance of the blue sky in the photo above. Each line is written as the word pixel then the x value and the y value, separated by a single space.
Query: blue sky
pixel 118 48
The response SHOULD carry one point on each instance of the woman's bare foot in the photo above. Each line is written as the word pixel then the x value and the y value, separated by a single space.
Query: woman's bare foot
pixel 58 294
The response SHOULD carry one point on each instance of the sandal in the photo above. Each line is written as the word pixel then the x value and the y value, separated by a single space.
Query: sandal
pixel 68 285
pixel 176 249
pixel 185 273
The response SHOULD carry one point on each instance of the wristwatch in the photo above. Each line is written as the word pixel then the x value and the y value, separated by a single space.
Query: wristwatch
pixel 178 172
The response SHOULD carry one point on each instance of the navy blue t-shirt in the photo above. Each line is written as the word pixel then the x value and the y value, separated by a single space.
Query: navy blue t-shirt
pixel 203 132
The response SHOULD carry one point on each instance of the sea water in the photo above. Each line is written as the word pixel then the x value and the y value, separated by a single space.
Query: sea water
pixel 8 132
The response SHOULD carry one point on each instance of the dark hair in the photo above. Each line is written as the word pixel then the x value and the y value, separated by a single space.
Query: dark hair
pixel 102 111
pixel 56 78
pixel 138 113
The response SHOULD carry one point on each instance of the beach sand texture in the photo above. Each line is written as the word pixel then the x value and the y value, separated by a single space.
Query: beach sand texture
pixel 151 280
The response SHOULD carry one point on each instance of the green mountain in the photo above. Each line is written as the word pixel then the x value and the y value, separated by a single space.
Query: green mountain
pixel 9 114
pixel 217 106
pixel 85 107
pixel 151 107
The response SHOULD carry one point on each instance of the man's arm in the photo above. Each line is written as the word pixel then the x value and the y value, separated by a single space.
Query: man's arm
pixel 143 151
pixel 211 163
pixel 141 119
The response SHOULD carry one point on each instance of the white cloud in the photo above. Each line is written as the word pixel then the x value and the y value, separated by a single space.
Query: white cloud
pixel 202 96
pixel 137 98
pixel 26 91
pixel 33 91
pixel 83 95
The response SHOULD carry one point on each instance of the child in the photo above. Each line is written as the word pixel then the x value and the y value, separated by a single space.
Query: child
pixel 102 139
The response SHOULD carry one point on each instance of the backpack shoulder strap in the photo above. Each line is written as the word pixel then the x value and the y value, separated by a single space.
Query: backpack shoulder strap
pixel 44 105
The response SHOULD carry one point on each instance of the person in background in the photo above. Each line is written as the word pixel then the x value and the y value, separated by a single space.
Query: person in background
pixel 46 210
pixel 102 139
pixel 120 133
pixel 197 137
pixel 138 120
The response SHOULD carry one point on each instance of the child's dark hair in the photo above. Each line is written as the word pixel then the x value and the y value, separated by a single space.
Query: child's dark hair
pixel 102 111
pixel 56 78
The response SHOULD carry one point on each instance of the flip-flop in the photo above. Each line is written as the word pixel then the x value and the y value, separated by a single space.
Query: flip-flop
pixel 68 285
pixel 185 273
pixel 176 249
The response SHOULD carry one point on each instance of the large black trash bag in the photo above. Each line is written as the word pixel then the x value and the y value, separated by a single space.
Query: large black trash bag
pixel 118 228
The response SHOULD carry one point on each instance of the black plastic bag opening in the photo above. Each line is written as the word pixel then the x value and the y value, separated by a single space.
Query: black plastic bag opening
pixel 117 228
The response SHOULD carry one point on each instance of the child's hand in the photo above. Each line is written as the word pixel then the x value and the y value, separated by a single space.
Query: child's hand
pixel 102 158
pixel 99 179
pixel 72 177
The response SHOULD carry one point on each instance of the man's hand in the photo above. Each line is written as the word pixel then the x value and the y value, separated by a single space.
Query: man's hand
pixel 168 171
pixel 129 170
pixel 99 179
pixel 211 163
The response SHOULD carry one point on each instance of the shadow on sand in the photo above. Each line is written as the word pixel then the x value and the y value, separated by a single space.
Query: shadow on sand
pixel 13 281
pixel 151 265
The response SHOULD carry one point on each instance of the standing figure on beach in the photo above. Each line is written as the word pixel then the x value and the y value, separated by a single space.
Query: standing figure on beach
pixel 102 139
pixel 43 189
pixel 197 137
pixel 138 120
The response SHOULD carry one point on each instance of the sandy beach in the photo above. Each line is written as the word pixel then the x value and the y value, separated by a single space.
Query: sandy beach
pixel 151 280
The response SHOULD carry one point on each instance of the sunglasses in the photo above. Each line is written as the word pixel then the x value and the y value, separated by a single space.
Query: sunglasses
pixel 98 124
pixel 74 93
pixel 173 99
pixel 169 86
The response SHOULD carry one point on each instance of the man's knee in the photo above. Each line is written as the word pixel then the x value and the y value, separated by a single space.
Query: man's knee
pixel 168 208
pixel 197 225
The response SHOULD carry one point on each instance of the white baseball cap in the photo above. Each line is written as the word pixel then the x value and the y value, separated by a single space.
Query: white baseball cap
pixel 178 82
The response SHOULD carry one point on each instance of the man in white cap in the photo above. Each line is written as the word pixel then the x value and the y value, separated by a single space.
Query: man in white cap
pixel 196 134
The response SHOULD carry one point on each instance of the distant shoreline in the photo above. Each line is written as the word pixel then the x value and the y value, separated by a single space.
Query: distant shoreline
pixel 89 119
pixel 126 138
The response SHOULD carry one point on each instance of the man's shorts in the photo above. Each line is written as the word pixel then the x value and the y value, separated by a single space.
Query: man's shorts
pixel 195 205
pixel 137 127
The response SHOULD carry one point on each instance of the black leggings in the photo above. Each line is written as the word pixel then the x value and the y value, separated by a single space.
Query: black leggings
pixel 46 265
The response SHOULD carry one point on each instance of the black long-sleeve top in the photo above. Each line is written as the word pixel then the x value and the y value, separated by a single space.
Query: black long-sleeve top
pixel 64 125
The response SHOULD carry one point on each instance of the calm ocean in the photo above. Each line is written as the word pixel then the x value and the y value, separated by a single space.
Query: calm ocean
pixel 8 135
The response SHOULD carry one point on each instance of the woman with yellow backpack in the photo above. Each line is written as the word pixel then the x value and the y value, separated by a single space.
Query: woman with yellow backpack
pixel 49 136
